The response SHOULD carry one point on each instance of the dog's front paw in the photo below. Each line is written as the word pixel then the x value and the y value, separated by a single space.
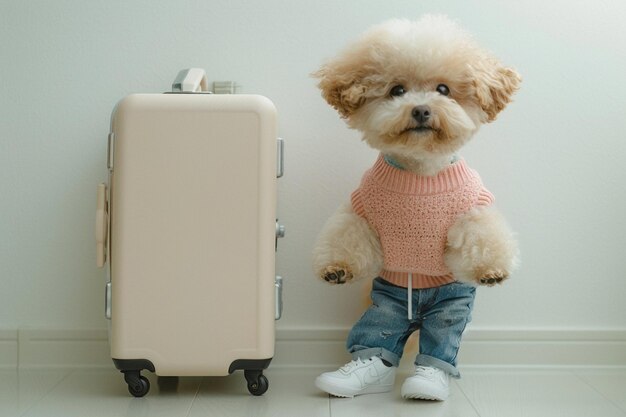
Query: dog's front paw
pixel 334 274
pixel 491 278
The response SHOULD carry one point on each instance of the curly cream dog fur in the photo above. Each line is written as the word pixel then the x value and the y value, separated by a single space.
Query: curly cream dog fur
pixel 418 91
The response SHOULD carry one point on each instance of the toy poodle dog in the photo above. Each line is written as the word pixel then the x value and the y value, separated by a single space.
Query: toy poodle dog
pixel 421 222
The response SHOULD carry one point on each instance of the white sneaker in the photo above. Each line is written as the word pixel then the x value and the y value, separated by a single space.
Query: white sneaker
pixel 358 377
pixel 427 384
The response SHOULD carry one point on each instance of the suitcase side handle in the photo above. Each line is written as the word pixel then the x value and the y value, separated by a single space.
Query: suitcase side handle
pixel 101 226
pixel 191 80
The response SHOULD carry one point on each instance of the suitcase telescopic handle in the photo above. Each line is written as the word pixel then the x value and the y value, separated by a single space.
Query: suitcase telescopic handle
pixel 191 80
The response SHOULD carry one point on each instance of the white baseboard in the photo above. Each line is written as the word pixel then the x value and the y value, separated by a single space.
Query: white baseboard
pixel 544 347
pixel 325 348
pixel 63 348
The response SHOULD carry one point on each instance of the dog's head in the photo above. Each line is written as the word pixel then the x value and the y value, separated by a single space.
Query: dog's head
pixel 418 88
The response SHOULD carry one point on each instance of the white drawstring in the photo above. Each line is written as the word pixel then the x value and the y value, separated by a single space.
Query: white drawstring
pixel 410 296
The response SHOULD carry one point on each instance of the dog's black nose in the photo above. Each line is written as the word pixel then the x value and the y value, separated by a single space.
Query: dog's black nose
pixel 421 114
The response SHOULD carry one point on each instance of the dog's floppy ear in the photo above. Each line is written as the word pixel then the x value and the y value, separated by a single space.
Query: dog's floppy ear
pixel 494 85
pixel 341 87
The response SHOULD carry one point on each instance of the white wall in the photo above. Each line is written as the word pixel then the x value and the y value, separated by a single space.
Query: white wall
pixel 553 158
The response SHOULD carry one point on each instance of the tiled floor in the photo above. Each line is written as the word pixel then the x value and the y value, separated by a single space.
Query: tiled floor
pixel 484 393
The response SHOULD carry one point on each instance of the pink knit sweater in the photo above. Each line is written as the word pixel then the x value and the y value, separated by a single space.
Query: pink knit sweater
pixel 412 215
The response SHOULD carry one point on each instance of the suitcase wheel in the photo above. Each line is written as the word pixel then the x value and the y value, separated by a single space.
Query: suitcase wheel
pixel 257 382
pixel 138 385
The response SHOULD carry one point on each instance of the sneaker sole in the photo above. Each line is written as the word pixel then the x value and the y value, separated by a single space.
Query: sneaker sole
pixel 343 393
pixel 422 393
pixel 423 397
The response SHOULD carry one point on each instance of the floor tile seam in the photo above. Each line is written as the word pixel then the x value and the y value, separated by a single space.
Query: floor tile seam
pixel 195 396
pixel 48 392
pixel 460 388
pixel 594 388
pixel 330 407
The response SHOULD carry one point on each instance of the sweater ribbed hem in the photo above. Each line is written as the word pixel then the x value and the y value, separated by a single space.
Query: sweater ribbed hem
pixel 420 281
pixel 407 182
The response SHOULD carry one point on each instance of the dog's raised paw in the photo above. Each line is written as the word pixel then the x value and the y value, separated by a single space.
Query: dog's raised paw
pixel 336 275
pixel 492 278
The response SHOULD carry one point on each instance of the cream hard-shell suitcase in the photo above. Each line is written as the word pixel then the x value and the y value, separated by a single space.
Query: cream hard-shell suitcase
pixel 186 230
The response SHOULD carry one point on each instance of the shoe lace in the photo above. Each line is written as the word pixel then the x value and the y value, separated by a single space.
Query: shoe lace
pixel 353 364
pixel 425 370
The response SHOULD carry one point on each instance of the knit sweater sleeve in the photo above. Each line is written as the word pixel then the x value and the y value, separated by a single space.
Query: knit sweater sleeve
pixel 357 202
pixel 485 198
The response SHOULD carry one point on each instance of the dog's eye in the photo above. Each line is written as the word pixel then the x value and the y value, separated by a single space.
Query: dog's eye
pixel 397 91
pixel 443 89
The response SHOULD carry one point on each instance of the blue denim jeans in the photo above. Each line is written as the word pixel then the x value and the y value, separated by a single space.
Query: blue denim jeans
pixel 440 314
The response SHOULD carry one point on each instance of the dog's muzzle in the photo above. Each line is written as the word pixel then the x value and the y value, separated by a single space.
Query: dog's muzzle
pixel 421 114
